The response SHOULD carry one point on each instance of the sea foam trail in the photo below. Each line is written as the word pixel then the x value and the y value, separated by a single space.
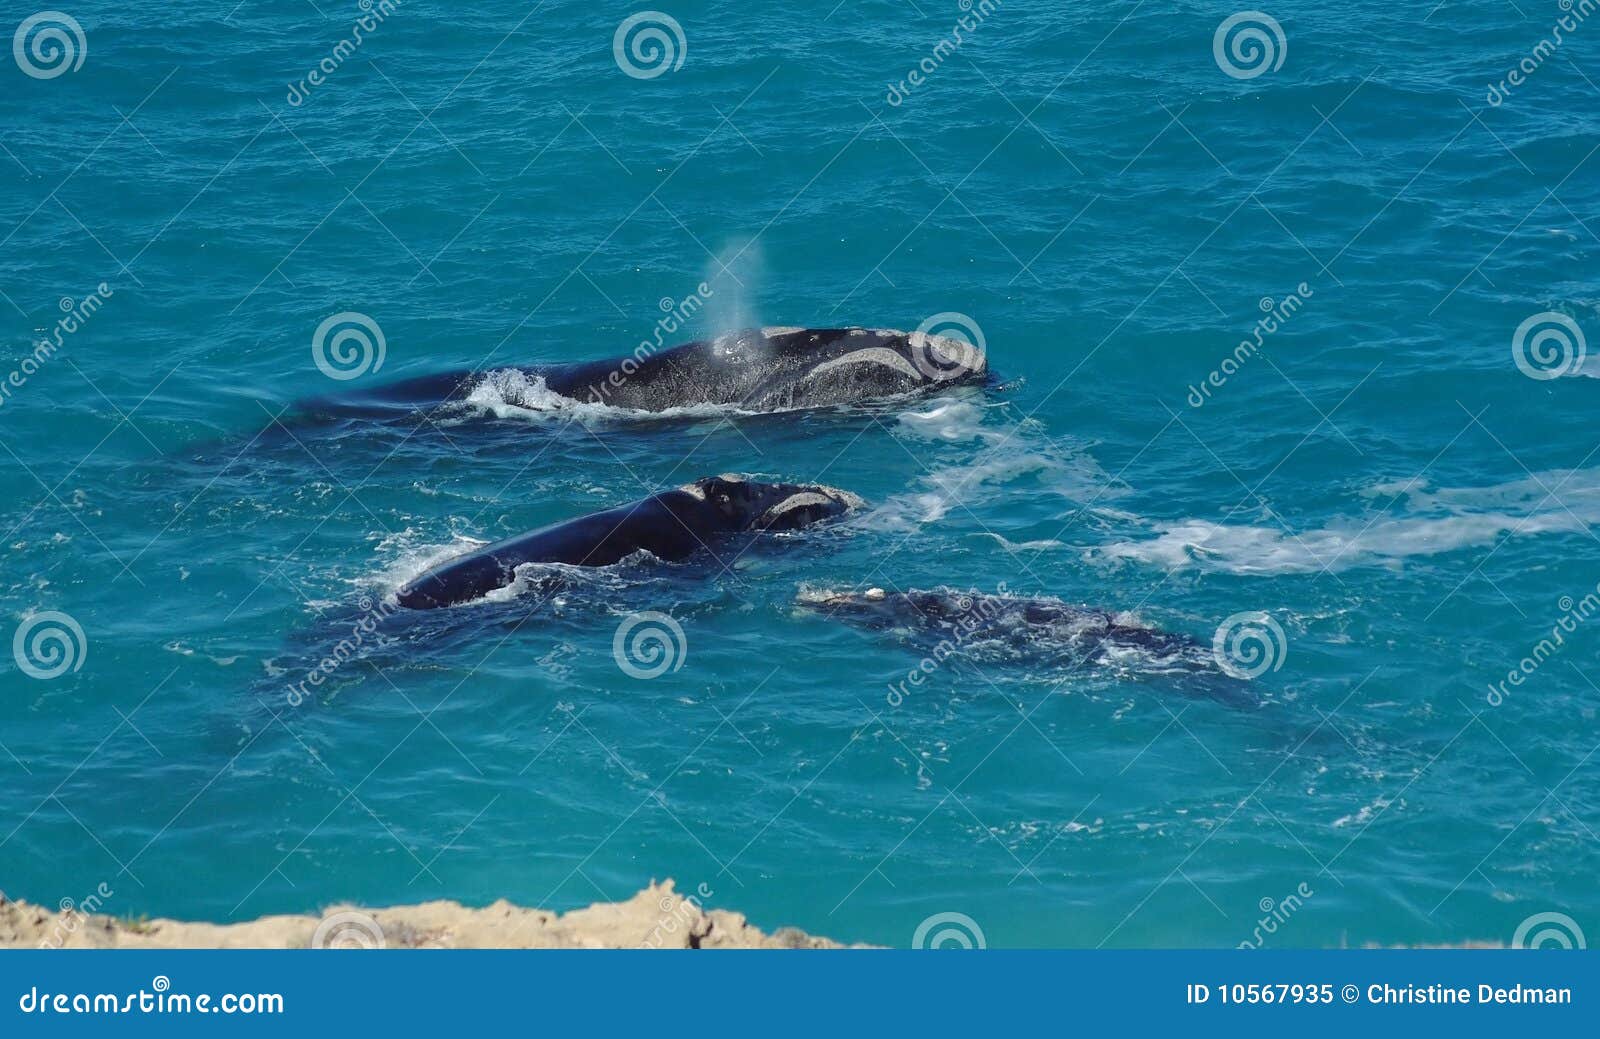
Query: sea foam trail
pixel 993 457
pixel 409 557
pixel 1415 520
pixel 510 393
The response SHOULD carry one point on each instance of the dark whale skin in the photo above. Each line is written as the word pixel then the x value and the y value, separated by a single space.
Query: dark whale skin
pixel 671 526
pixel 756 369
pixel 1047 627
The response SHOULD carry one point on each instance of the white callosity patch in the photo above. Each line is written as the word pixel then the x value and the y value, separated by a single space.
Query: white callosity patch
pixel 875 355
pixel 808 595
pixel 948 357
pixel 849 500
pixel 820 496
pixel 698 493
pixel 796 501
pixel 812 596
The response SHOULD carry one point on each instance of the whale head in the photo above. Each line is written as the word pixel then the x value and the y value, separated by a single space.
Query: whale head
pixel 782 368
pixel 861 361
pixel 863 604
pixel 742 504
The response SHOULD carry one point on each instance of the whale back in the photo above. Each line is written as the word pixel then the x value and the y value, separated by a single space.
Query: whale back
pixel 1004 627
pixel 756 369
pixel 772 369
pixel 665 525
pixel 671 526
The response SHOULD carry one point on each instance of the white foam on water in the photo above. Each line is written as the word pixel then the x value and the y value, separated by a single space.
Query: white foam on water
pixel 531 577
pixel 511 393
pixel 1043 545
pixel 415 559
pixel 1000 455
pixel 1413 521
pixel 411 559
pixel 952 420
pixel 1365 815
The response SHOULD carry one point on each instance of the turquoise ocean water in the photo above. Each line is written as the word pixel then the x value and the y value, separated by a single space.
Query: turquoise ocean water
pixel 1112 203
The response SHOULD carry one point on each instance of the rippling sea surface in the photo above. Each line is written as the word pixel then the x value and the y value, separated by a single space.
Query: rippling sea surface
pixel 1390 486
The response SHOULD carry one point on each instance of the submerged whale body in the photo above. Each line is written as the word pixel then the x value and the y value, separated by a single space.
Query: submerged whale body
pixel 670 526
pixel 758 370
pixel 1033 627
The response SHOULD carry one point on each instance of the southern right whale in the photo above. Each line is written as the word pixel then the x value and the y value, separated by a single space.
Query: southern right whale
pixel 757 369
pixel 948 620
pixel 670 526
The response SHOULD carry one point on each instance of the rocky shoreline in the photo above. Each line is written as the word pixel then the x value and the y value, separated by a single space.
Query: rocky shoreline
pixel 658 917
